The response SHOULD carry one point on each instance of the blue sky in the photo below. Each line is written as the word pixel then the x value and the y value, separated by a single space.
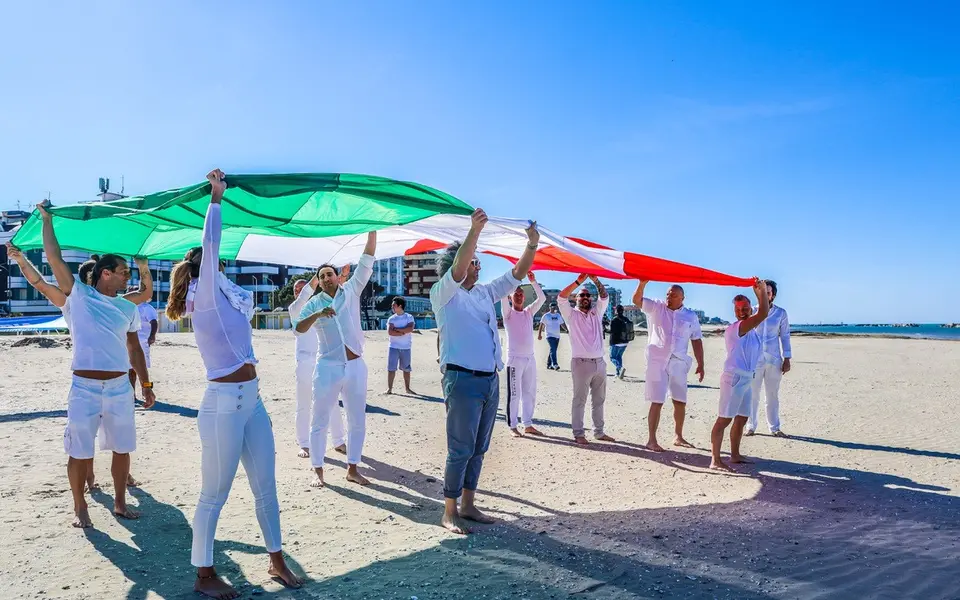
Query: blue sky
pixel 812 142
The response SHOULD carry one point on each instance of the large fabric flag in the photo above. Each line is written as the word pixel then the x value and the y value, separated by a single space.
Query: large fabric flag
pixel 167 224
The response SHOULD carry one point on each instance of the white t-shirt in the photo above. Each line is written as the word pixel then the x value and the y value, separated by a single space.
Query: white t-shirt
pixel 551 324
pixel 100 325
pixel 147 313
pixel 405 341
pixel 743 353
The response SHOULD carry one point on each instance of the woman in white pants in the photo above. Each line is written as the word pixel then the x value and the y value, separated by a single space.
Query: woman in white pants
pixel 233 423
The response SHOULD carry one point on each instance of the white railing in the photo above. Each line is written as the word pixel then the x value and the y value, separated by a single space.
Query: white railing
pixel 265 269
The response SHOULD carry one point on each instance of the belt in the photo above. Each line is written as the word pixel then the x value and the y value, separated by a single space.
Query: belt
pixel 459 369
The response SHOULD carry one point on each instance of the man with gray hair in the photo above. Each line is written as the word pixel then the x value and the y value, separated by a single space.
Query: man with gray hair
pixel 470 358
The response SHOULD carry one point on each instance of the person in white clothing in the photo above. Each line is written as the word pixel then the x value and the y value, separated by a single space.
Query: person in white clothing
pixel 400 328
pixel 104 332
pixel 521 363
pixel 550 323
pixel 736 382
pixel 774 364
pixel 334 315
pixel 671 327
pixel 306 351
pixel 233 422
pixel 149 325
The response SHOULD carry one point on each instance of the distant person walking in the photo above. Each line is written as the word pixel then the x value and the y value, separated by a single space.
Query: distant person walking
pixel 621 334
pixel 774 363
pixel 400 328
pixel 589 370
pixel 521 363
pixel 671 327
pixel 551 324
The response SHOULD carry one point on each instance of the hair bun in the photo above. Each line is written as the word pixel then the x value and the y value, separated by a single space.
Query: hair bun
pixel 94 257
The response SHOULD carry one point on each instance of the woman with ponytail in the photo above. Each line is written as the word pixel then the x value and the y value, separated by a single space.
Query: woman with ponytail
pixel 233 423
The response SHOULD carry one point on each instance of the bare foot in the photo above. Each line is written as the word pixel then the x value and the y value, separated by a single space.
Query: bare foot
pixel 720 466
pixel 411 392
pixel 318 482
pixel 515 432
pixel 125 512
pixel 214 587
pixel 455 524
pixel 388 392
pixel 355 476
pixel 581 440
pixel 92 486
pixel 285 575
pixel 131 482
pixel 304 453
pixel 532 431
pixel 749 433
pixel 82 518
pixel 654 447
pixel 780 434
pixel 604 438
pixel 342 448
pixel 741 460
pixel 474 514
pixel 682 443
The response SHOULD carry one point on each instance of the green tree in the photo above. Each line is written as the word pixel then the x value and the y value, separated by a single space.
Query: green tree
pixel 284 296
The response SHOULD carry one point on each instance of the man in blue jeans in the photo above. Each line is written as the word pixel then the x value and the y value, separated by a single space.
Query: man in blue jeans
pixel 620 335
pixel 470 358
pixel 551 323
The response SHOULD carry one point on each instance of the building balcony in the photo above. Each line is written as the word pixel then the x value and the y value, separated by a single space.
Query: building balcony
pixel 258 269
pixel 32 307
pixel 261 288
pixel 231 270
pixel 292 271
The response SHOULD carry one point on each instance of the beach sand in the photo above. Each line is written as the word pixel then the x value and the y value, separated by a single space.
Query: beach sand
pixel 862 502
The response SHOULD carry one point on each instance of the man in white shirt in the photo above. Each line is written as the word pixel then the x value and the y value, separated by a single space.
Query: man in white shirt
pixel 551 323
pixel 521 363
pixel 671 328
pixel 306 353
pixel 334 314
pixel 400 327
pixel 585 324
pixel 147 334
pixel 470 358
pixel 774 334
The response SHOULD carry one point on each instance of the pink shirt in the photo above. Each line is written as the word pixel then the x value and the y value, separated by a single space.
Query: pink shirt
pixel 586 329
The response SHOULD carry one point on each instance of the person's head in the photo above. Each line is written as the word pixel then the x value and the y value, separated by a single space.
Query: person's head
pixel 584 302
pixel 298 286
pixel 110 274
pixel 771 289
pixel 399 305
pixel 619 310
pixel 183 273
pixel 554 307
pixel 518 297
pixel 445 263
pixel 86 269
pixel 674 297
pixel 742 307
pixel 329 278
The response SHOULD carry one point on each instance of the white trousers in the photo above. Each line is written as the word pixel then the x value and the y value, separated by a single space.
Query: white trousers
pixel 521 391
pixel 234 427
pixel 305 366
pixel 348 381
pixel 769 375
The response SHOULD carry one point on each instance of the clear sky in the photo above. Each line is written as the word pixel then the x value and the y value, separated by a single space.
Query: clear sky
pixel 817 143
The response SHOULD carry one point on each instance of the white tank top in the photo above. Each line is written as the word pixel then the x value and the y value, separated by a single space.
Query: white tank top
pixel 743 352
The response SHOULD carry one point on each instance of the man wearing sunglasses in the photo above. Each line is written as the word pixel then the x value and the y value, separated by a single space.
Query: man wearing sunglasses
pixel 470 358
pixel 585 324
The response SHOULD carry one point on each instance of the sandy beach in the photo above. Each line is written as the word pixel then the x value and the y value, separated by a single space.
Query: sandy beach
pixel 862 502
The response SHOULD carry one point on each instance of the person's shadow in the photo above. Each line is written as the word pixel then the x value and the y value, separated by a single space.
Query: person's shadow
pixel 160 561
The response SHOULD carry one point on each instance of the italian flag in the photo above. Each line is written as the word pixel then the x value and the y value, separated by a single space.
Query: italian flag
pixel 311 219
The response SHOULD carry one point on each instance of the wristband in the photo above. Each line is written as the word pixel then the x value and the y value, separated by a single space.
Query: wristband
pixel 147 385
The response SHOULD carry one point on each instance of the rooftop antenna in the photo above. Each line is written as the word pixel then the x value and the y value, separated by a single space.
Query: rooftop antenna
pixel 121 185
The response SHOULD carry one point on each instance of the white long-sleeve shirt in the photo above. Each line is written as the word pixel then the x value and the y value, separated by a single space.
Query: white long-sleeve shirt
pixel 467 321
pixel 224 335
pixel 519 325
pixel 774 332
pixel 342 331
pixel 307 345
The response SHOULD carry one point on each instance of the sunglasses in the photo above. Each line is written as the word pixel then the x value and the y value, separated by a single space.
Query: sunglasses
pixel 475 262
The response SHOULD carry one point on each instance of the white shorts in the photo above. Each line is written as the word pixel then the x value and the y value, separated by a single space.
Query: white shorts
pixel 660 378
pixel 736 395
pixel 93 403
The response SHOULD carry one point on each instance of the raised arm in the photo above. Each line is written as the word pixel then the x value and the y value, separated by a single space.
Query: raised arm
pixel 760 289
pixel 469 246
pixel 33 277
pixel 145 292
pixel 52 248
pixel 205 298
pixel 601 291
pixel 565 292
pixel 523 265
pixel 638 295
pixel 541 297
